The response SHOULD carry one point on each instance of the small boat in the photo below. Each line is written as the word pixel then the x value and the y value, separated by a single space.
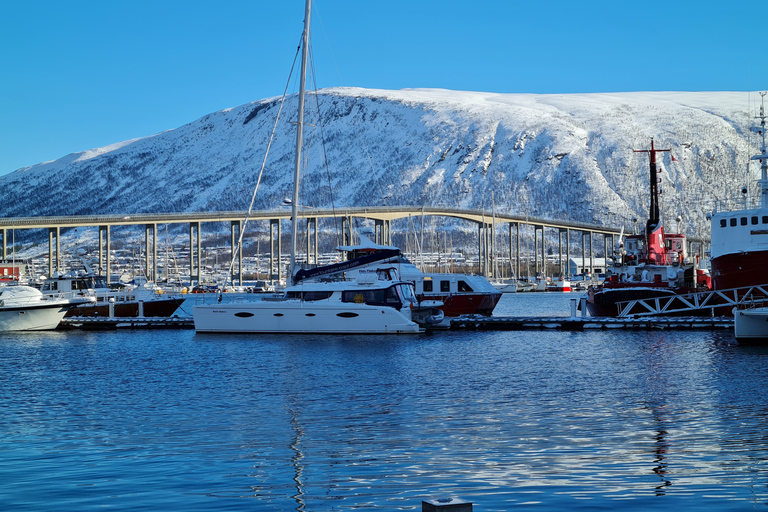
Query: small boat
pixel 561 285
pixel 505 285
pixel 125 301
pixel 24 308
pixel 751 325
pixel 653 265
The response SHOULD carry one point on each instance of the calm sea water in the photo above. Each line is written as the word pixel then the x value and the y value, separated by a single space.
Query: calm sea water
pixel 529 420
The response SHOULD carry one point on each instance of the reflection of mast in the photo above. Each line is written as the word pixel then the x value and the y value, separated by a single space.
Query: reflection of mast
pixel 661 469
pixel 297 459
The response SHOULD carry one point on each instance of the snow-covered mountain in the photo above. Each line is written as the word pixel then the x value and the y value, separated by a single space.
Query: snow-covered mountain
pixel 566 156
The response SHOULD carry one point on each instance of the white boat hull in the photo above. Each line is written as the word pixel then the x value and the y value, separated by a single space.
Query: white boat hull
pixel 32 318
pixel 295 316
pixel 751 324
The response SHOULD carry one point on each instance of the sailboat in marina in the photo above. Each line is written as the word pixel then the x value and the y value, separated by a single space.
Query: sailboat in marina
pixel 372 303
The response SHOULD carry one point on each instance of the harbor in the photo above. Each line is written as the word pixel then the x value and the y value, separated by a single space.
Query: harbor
pixel 630 419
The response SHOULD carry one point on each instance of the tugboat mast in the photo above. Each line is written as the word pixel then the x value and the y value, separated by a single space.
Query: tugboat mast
pixel 653 213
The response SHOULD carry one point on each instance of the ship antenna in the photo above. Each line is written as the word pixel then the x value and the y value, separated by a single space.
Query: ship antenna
pixel 763 156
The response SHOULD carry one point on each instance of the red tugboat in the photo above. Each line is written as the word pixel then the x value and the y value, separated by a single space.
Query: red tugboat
pixel 654 264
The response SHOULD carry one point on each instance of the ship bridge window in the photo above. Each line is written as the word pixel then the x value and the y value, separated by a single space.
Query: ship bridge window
pixel 427 286
pixel 765 219
pixel 464 287
pixel 723 223
pixel 733 222
pixel 743 221
pixel 753 220
pixel 445 286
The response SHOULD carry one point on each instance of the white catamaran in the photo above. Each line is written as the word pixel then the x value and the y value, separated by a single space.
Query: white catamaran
pixel 372 303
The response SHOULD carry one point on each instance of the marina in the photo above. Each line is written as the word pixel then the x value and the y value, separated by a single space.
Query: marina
pixel 599 419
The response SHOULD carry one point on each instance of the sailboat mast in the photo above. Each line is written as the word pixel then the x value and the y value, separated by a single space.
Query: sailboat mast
pixel 299 137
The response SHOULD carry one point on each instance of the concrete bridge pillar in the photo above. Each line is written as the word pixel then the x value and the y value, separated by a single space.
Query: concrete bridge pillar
pixel 150 252
pixel 195 250
pixel 235 227
pixel 274 236
pixel 54 232
pixel 105 265
pixel 312 255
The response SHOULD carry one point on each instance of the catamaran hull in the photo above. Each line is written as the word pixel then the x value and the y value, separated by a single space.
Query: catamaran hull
pixel 289 317
pixel 32 318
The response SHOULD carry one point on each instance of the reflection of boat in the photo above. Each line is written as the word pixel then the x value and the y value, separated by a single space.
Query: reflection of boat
pixel 23 308
pixel 740 237
pixel 367 304
pixel 126 301
pixel 653 264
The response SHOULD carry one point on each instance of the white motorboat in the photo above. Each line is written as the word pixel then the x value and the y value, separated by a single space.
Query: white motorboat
pixel 125 301
pixel 366 305
pixel 24 308
pixel 505 285
pixel 751 325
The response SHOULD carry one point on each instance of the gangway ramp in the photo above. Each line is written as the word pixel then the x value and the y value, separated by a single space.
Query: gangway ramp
pixel 693 303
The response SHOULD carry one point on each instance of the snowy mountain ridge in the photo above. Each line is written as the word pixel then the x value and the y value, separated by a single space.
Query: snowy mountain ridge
pixel 563 157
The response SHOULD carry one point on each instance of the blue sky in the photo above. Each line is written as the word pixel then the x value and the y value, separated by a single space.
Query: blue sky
pixel 83 74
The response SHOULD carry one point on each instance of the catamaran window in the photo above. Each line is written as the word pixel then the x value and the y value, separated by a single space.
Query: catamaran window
pixel 723 223
pixel 733 222
pixel 743 221
pixel 427 286
pixel 464 287
pixel 309 296
pixel 445 286
pixel 754 220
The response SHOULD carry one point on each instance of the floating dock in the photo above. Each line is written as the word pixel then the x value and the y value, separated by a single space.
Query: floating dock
pixel 95 323
pixel 565 323
pixel 466 323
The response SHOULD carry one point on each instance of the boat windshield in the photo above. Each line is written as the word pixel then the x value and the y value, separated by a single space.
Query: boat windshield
pixel 407 293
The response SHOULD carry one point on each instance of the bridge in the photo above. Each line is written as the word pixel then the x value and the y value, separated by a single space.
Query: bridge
pixel 382 216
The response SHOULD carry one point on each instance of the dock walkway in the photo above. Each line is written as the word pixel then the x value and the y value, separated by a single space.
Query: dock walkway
pixel 466 322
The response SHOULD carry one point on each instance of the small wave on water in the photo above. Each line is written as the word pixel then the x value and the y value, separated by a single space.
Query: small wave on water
pixel 529 420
